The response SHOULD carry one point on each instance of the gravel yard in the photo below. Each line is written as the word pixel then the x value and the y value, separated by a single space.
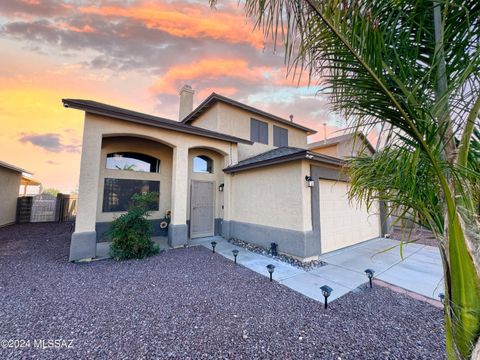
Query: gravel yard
pixel 191 304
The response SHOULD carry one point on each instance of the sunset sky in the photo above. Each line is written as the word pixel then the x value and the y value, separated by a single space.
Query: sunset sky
pixel 132 54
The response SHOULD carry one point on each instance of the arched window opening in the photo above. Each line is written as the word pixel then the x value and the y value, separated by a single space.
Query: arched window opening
pixel 202 164
pixel 131 161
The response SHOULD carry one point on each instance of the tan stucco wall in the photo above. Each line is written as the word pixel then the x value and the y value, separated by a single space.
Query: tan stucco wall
pixel 329 150
pixel 275 196
pixel 217 177
pixel 227 119
pixel 148 147
pixel 96 127
pixel 9 187
pixel 353 147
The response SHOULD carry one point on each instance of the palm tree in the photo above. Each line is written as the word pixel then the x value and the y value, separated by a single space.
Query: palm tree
pixel 411 69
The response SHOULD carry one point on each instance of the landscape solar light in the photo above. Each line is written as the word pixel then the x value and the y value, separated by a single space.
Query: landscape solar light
pixel 270 269
pixel 326 291
pixel 214 243
pixel 441 296
pixel 370 273
pixel 235 253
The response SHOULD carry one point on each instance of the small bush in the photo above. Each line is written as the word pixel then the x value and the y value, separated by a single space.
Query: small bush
pixel 130 233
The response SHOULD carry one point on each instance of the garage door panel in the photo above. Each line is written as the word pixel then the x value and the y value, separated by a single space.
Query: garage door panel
pixel 344 223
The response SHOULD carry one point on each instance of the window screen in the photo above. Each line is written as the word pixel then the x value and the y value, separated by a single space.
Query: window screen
pixel 280 136
pixel 117 193
pixel 258 131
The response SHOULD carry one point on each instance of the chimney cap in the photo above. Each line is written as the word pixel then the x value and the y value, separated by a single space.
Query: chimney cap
pixel 186 88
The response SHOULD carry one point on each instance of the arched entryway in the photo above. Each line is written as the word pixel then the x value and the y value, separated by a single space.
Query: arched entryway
pixel 205 198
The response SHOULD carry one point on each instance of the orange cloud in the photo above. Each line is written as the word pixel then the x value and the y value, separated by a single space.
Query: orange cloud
pixel 206 69
pixel 186 21
pixel 84 29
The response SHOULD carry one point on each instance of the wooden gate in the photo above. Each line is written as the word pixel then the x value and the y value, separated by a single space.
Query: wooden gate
pixel 44 208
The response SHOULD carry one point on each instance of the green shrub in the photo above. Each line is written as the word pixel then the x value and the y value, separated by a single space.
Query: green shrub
pixel 130 233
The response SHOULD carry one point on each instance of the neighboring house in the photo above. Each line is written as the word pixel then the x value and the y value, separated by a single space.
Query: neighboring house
pixel 343 146
pixel 226 169
pixel 10 179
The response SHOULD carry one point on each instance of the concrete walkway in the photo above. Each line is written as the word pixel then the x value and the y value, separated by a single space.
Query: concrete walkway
pixel 419 271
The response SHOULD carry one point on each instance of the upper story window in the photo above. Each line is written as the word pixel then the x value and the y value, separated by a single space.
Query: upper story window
pixel 202 164
pixel 280 136
pixel 131 161
pixel 258 131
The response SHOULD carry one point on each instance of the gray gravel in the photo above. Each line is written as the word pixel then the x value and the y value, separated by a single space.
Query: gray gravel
pixel 191 304
pixel 304 265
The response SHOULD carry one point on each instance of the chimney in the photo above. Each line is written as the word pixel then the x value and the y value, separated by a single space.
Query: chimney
pixel 186 102
pixel 291 117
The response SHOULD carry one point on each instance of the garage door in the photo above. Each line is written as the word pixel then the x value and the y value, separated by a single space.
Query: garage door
pixel 344 223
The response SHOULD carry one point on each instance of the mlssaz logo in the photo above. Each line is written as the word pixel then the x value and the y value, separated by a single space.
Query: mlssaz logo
pixel 53 344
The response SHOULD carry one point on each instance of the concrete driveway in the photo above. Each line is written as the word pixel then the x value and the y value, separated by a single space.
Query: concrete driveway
pixel 420 269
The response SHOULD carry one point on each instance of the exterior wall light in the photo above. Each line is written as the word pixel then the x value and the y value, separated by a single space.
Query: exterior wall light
pixel 309 180
pixel 220 187
pixel 235 253
pixel 326 291
pixel 214 243
pixel 271 269
pixel 370 273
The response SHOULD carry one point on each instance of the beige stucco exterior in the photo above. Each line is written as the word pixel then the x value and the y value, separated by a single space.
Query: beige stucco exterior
pixel 344 149
pixel 227 119
pixel 9 187
pixel 256 203
pixel 273 196
pixel 98 130
pixel 327 150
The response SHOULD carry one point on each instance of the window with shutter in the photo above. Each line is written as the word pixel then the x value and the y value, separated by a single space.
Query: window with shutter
pixel 280 136
pixel 258 131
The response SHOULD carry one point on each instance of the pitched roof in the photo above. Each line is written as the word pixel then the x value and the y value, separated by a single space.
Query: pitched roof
pixel 281 155
pixel 13 167
pixel 213 98
pixel 145 119
pixel 340 139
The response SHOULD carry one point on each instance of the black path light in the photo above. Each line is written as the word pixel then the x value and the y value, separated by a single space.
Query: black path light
pixel 235 253
pixel 270 269
pixel 326 291
pixel 370 273
pixel 441 296
pixel 214 243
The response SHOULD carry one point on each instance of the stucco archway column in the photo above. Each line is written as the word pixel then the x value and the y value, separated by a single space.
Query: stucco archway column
pixel 177 230
pixel 84 239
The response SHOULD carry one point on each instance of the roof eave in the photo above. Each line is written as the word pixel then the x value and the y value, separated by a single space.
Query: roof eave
pixel 194 131
pixel 213 98
pixel 304 155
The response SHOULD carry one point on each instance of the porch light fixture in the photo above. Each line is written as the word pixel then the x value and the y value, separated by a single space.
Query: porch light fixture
pixel 214 243
pixel 370 273
pixel 220 187
pixel 271 269
pixel 441 296
pixel 326 291
pixel 235 253
pixel 309 180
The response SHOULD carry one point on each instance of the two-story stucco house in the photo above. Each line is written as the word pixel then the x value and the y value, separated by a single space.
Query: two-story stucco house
pixel 224 168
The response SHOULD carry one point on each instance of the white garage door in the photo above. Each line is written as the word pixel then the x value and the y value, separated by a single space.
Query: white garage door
pixel 344 223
